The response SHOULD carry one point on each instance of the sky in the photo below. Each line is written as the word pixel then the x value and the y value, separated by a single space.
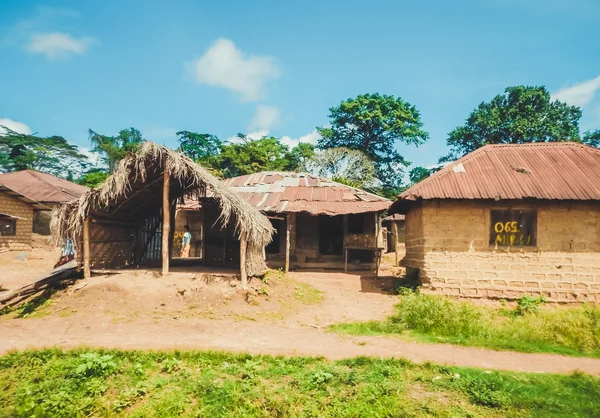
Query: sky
pixel 275 67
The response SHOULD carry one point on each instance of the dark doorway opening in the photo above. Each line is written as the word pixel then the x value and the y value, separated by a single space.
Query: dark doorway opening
pixel 274 246
pixel 331 235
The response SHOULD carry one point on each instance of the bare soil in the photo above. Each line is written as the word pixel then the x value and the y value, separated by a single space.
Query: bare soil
pixel 194 308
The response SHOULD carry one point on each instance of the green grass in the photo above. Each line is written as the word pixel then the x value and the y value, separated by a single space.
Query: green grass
pixel 530 327
pixel 165 384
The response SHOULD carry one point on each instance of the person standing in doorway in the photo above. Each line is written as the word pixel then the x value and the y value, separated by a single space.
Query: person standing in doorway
pixel 186 242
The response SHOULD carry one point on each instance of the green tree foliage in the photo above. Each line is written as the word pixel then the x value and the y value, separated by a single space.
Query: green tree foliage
pixel 591 138
pixel 52 154
pixel 522 114
pixel 346 166
pixel 375 124
pixel 253 155
pixel 199 147
pixel 418 174
pixel 300 155
pixel 93 178
pixel 114 148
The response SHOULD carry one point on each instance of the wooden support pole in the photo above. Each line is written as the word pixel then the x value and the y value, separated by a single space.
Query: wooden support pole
pixel 395 240
pixel 288 226
pixel 345 260
pixel 166 221
pixel 86 249
pixel 243 247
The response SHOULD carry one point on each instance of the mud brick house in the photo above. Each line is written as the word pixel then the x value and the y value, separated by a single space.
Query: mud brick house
pixel 319 223
pixel 16 219
pixel 44 188
pixel 507 221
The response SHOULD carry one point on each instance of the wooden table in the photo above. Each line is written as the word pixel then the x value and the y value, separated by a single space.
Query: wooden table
pixel 376 250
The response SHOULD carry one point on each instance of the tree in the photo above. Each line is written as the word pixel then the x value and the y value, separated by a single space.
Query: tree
pixel 418 174
pixel 53 155
pixel 375 124
pixel 114 148
pixel 522 114
pixel 253 155
pixel 299 156
pixel 93 178
pixel 345 166
pixel 197 146
pixel 591 138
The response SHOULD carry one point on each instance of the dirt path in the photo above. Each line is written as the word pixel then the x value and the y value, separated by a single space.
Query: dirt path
pixel 143 311
pixel 258 338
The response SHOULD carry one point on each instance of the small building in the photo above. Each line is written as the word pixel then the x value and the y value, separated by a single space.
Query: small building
pixel 507 221
pixel 44 188
pixel 16 219
pixel 128 221
pixel 319 223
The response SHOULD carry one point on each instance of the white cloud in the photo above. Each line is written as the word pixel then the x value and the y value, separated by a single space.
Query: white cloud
pixel 58 45
pixel 224 65
pixel 310 138
pixel 19 127
pixel 265 118
pixel 580 94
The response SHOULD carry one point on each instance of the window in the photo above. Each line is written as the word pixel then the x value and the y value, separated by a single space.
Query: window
pixel 8 226
pixel 356 223
pixel 513 227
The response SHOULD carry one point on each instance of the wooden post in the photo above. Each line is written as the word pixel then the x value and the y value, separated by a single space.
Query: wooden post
pixel 166 221
pixel 86 249
pixel 395 238
pixel 345 260
pixel 288 226
pixel 243 246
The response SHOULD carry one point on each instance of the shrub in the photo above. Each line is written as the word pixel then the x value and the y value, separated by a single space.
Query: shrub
pixel 440 315
pixel 529 304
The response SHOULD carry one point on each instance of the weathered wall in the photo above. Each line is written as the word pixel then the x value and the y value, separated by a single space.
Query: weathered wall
pixel 22 239
pixel 448 241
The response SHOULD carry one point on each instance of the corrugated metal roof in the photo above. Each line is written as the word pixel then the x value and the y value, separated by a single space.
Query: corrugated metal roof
pixel 551 171
pixel 23 198
pixel 287 192
pixel 42 187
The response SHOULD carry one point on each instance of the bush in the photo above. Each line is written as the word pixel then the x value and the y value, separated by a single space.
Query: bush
pixel 529 304
pixel 440 316
pixel 531 327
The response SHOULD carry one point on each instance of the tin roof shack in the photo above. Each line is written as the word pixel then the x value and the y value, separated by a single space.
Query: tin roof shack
pixel 45 188
pixel 128 220
pixel 319 223
pixel 16 218
pixel 507 221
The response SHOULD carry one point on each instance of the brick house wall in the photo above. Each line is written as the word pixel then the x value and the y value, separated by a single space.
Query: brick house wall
pixel 22 239
pixel 448 242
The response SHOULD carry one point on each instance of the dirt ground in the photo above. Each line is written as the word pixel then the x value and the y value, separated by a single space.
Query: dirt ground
pixel 196 308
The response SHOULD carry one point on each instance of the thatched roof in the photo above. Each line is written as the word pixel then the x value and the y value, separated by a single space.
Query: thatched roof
pixel 136 186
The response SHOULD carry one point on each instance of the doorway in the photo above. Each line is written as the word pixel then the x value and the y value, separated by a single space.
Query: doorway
pixel 331 235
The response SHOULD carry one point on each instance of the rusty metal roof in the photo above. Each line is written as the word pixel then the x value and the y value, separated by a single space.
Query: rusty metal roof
pixel 42 187
pixel 550 171
pixel 23 198
pixel 283 192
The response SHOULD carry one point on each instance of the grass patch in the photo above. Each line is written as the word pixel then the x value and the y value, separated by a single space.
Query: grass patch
pixel 531 327
pixel 164 384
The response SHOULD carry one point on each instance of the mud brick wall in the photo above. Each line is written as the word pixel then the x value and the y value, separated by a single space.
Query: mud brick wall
pixel 448 241
pixel 22 240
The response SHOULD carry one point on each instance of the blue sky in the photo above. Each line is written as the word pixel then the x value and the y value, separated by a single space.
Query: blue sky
pixel 276 67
